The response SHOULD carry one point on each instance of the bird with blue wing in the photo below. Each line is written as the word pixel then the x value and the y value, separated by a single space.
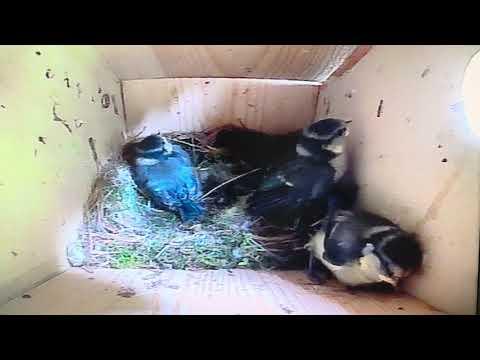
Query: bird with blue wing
pixel 164 173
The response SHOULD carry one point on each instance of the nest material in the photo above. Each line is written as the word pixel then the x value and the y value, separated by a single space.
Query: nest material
pixel 123 230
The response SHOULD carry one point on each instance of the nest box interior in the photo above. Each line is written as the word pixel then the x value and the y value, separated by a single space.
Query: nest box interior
pixel 64 110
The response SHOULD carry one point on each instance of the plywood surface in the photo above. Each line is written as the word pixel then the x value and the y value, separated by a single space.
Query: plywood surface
pixel 194 104
pixel 222 292
pixel 416 158
pixel 294 62
pixel 51 115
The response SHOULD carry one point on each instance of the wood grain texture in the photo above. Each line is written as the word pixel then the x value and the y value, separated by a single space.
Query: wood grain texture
pixel 416 159
pixel 209 292
pixel 293 62
pixel 50 112
pixel 191 104
pixel 352 60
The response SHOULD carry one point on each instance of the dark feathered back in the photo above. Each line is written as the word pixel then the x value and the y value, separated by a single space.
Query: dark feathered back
pixel 258 150
pixel 286 193
pixel 298 190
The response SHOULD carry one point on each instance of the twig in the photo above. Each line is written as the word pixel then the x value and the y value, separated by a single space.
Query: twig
pixel 192 145
pixel 280 238
pixel 161 252
pixel 229 181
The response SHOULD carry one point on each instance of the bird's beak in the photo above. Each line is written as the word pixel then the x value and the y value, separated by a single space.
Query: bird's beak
pixel 348 121
pixel 388 280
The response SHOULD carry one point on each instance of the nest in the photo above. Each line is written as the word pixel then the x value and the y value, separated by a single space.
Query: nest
pixel 122 230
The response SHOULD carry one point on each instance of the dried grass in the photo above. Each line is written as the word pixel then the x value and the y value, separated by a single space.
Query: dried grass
pixel 122 230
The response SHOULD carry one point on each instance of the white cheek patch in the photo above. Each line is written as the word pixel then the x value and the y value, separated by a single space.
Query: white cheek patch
pixel 146 162
pixel 335 148
pixel 302 151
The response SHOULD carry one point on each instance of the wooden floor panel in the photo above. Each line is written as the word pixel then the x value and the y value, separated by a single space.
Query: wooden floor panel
pixel 147 292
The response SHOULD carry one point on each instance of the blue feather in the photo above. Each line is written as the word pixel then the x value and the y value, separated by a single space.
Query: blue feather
pixel 168 179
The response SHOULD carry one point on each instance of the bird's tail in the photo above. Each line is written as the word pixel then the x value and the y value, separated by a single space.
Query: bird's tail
pixel 191 211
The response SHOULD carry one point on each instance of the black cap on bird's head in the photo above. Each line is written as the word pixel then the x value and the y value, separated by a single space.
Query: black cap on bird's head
pixel 327 129
pixel 403 250
pixel 324 135
pixel 149 147
pixel 153 144
pixel 401 255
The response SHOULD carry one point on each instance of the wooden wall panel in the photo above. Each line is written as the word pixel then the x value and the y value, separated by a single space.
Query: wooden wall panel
pixel 294 62
pixel 52 123
pixel 417 159
pixel 191 104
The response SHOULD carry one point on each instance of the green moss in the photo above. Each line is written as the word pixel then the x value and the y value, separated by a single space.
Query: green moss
pixel 126 259
pixel 126 232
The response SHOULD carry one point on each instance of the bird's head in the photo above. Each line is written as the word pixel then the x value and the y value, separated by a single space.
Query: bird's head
pixel 398 255
pixel 327 134
pixel 147 151
pixel 327 129
pixel 153 144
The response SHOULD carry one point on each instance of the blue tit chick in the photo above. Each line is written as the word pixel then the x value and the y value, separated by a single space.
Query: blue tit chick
pixel 164 173
pixel 254 148
pixel 291 189
pixel 362 249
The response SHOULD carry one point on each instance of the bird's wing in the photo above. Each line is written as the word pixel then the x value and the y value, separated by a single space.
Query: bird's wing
pixel 186 180
pixel 290 175
pixel 288 190
pixel 180 153
pixel 344 245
